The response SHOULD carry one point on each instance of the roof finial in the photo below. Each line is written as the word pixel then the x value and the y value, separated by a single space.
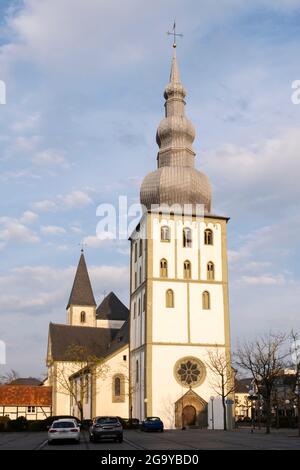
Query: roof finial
pixel 174 34
pixel 82 244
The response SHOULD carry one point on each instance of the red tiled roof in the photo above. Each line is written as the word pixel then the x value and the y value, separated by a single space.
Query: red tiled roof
pixel 27 395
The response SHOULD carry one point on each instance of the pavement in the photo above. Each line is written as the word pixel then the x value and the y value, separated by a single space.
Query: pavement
pixel 189 439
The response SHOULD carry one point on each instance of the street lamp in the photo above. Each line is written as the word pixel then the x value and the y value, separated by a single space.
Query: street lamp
pixel 212 413
pixel 252 397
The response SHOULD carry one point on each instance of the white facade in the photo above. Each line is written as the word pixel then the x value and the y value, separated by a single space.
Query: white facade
pixel 160 336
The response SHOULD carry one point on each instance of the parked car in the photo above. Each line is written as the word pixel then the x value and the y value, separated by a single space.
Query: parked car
pixel 106 427
pixel 48 421
pixel 129 423
pixel 64 429
pixel 152 423
pixel 86 424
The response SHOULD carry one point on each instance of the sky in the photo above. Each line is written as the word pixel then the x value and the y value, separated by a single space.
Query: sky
pixel 84 97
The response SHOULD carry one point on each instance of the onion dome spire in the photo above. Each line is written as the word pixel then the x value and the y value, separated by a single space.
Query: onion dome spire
pixel 176 181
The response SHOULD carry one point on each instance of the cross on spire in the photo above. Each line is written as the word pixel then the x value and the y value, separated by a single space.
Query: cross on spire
pixel 174 34
pixel 82 244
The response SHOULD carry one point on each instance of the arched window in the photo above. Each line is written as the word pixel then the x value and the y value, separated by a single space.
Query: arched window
pixel 134 310
pixel 163 268
pixel 169 298
pixel 135 252
pixel 140 275
pixel 187 270
pixel 139 309
pixel 210 271
pixel 144 302
pixel 82 317
pixel 118 388
pixel 165 234
pixel 206 300
pixel 208 237
pixel 141 247
pixel 137 371
pixel 187 237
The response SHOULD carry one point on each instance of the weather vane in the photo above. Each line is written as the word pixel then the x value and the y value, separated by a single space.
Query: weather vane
pixel 82 244
pixel 174 34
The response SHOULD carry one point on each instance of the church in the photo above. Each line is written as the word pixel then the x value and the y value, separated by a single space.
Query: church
pixel 153 359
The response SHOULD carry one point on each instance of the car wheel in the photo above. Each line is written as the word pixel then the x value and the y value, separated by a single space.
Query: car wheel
pixel 161 430
pixel 92 439
pixel 49 443
pixel 120 439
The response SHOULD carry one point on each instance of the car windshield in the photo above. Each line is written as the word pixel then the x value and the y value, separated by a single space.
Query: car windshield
pixel 107 420
pixel 63 425
pixel 153 419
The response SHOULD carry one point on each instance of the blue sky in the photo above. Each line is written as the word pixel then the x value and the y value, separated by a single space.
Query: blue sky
pixel 85 80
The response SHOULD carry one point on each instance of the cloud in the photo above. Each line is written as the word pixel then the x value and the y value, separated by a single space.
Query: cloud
pixel 75 199
pixel 29 217
pixel 44 206
pixel 52 230
pixel 263 280
pixel 12 230
pixel 49 157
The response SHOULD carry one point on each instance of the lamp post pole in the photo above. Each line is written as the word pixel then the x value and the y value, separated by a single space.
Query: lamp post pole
pixel 212 413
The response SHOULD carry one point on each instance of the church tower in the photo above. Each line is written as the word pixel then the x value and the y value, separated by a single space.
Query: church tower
pixel 179 287
pixel 81 308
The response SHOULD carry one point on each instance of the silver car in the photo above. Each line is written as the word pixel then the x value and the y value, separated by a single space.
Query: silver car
pixel 64 429
pixel 106 427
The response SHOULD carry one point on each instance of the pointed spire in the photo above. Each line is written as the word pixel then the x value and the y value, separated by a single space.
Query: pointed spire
pixel 82 292
pixel 174 75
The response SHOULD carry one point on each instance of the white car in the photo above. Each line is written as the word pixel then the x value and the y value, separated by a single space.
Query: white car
pixel 64 429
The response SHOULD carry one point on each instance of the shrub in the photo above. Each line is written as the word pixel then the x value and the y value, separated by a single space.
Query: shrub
pixel 19 424
pixel 37 425
pixel 4 423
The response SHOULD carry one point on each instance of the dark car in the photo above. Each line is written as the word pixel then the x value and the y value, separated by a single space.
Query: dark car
pixel 152 423
pixel 106 427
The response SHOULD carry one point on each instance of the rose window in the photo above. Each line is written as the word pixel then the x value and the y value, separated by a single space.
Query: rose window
pixel 189 372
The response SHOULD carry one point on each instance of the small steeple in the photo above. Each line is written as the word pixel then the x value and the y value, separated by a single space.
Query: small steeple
pixel 82 292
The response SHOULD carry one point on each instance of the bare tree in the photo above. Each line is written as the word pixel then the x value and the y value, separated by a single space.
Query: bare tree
pixel 223 376
pixel 265 359
pixel 9 377
pixel 79 364
pixel 295 353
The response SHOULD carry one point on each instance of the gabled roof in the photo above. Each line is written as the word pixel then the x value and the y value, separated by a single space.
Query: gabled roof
pixel 28 395
pixel 121 339
pixel 82 292
pixel 243 385
pixel 111 308
pixel 25 381
pixel 63 338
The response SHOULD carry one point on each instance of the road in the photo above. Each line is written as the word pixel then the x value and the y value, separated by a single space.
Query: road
pixel 191 439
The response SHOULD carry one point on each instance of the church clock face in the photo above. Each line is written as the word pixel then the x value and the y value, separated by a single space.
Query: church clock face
pixel 189 372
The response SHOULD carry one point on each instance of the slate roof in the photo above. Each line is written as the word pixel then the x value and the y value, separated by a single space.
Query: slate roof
pixel 111 308
pixel 243 385
pixel 96 341
pixel 27 395
pixel 25 381
pixel 121 339
pixel 82 292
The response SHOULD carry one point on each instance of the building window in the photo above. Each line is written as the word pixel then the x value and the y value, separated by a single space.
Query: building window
pixel 134 310
pixel 187 237
pixel 135 252
pixel 187 270
pixel 144 302
pixel 210 271
pixel 206 300
pixel 118 389
pixel 137 372
pixel 208 237
pixel 82 317
pixel 30 409
pixel 135 280
pixel 163 268
pixel 140 275
pixel 165 234
pixel 139 309
pixel 125 358
pixel 141 247
pixel 169 298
